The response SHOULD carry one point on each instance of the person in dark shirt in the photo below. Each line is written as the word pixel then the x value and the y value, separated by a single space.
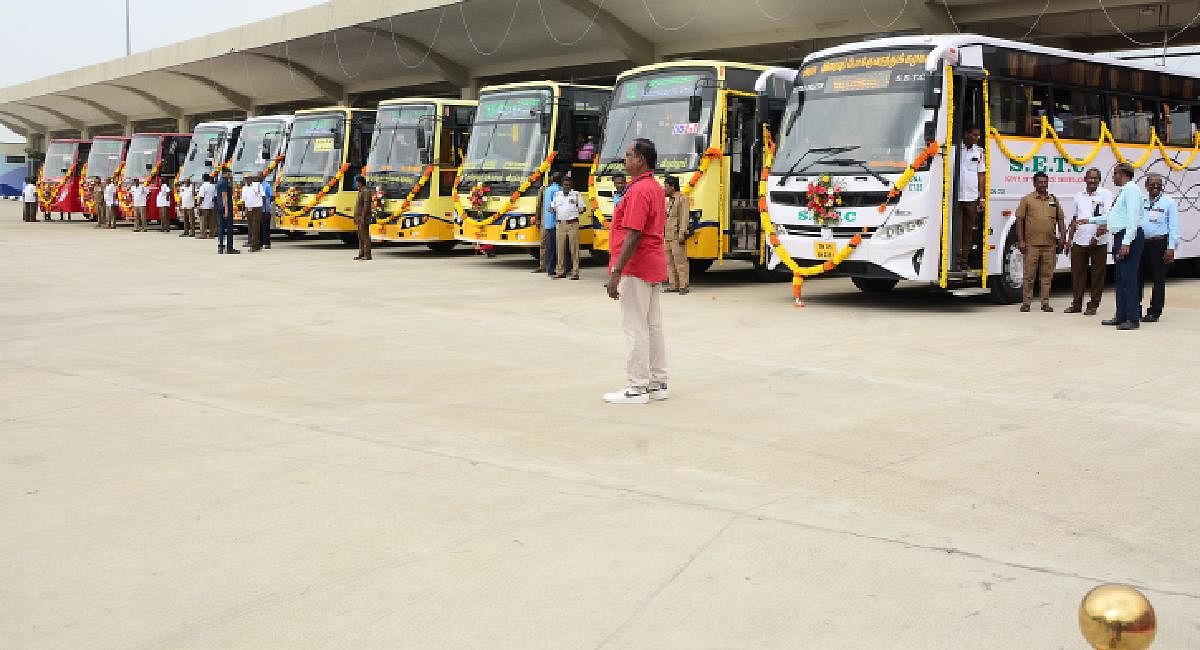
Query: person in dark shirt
pixel 225 214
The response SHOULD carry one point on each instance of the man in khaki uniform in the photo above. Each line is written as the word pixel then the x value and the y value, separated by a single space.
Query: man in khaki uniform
pixel 568 205
pixel 362 217
pixel 1041 232
pixel 98 202
pixel 678 215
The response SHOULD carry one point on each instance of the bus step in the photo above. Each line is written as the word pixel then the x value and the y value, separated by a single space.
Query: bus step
pixel 967 293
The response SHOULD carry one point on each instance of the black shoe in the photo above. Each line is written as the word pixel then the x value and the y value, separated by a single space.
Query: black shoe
pixel 1110 321
pixel 683 291
pixel 1025 307
pixel 185 235
pixel 1073 309
pixel 1046 307
pixel 1127 325
pixel 234 251
pixel 1149 318
pixel 1090 311
pixel 220 250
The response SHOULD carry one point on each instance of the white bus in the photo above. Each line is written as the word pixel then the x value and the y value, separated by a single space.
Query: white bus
pixel 860 113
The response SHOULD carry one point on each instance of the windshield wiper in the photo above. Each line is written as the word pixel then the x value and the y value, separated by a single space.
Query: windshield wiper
pixel 300 163
pixel 861 164
pixel 628 125
pixel 828 151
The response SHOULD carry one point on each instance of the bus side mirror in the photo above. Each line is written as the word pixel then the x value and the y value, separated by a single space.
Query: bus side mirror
pixel 266 151
pixel 700 143
pixel 421 144
pixel 930 131
pixel 695 108
pixel 546 119
pixel 933 91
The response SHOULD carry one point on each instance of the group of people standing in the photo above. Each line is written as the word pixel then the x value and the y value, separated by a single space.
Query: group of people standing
pixel 205 210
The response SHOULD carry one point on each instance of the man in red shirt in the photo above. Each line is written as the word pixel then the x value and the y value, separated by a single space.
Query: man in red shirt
pixel 638 225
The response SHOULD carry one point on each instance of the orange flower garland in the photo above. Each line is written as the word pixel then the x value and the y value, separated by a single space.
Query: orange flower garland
pixel 512 200
pixel 593 196
pixel 316 199
pixel 395 216
pixel 710 154
pixel 925 156
pixel 123 195
pixel 86 189
pixel 49 202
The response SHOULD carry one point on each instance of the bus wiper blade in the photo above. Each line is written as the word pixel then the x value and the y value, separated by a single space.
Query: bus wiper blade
pixel 861 164
pixel 828 151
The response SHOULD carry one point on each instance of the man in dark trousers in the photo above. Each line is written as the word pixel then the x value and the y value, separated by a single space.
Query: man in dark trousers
pixel 1124 221
pixel 225 214
pixel 1161 230
pixel 362 217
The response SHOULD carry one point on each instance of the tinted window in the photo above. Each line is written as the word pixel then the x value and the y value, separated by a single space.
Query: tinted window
pixel 1017 108
pixel 1077 114
pixel 1132 118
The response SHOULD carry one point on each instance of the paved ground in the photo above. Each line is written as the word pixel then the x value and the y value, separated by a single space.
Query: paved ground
pixel 291 449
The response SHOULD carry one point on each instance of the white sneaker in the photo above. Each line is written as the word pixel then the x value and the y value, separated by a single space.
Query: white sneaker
pixel 629 395
pixel 658 391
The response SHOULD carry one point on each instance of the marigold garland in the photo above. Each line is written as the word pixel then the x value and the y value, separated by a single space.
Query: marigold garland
pixel 594 196
pixel 124 197
pixel 1048 133
pixel 48 203
pixel 710 154
pixel 512 200
pixel 455 201
pixel 316 199
pixel 86 190
pixel 906 176
pixel 798 272
pixel 395 216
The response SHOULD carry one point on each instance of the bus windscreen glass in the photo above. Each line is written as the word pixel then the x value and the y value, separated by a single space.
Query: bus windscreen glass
pixel 59 158
pixel 655 107
pixel 395 161
pixel 105 157
pixel 314 152
pixel 142 157
pixel 202 158
pixel 259 144
pixel 507 142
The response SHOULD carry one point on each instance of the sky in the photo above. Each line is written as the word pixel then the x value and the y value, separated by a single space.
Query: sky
pixel 93 31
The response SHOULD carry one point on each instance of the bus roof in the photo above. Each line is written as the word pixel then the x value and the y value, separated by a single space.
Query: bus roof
pixel 271 118
pixel 334 109
pixel 224 124
pixel 540 84
pixel 692 64
pixel 70 140
pixel 439 101
pixel 110 137
pixel 163 135
pixel 942 42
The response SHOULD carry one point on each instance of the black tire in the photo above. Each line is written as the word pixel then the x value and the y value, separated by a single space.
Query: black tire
pixel 780 273
pixel 875 285
pixel 599 258
pixel 349 238
pixel 442 246
pixel 699 266
pixel 1006 286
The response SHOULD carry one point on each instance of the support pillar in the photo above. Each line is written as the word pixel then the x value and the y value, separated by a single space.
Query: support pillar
pixel 183 125
pixel 471 90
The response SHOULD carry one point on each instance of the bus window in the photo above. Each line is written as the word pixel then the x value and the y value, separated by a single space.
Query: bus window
pixel 445 161
pixel 1077 114
pixel 1179 123
pixel 1132 118
pixel 1017 108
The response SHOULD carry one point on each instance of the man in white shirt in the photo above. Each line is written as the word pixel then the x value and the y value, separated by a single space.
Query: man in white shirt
pixel 252 198
pixel 208 201
pixel 971 169
pixel 140 193
pixel 163 203
pixel 567 206
pixel 110 202
pixel 1089 250
pixel 187 209
pixel 29 200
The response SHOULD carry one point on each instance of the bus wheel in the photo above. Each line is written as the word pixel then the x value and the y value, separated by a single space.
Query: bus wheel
pixel 442 246
pixel 1006 287
pixel 600 258
pixel 699 266
pixel 296 234
pixel 349 238
pixel 875 285
pixel 778 274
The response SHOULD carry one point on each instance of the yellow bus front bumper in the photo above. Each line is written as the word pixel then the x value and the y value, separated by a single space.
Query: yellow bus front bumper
pixel 335 224
pixel 432 231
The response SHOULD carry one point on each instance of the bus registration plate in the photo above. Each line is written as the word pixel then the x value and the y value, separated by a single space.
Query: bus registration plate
pixel 825 250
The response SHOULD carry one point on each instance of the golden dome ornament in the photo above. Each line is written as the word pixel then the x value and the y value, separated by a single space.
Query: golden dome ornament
pixel 1117 617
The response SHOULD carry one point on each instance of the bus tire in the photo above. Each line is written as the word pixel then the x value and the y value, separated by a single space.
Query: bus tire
pixel 1006 287
pixel 875 285
pixel 442 246
pixel 349 238
pixel 599 258
pixel 699 266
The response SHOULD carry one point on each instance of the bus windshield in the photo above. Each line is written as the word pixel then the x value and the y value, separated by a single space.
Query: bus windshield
pixel 205 154
pixel 258 145
pixel 142 156
pixel 655 107
pixel 105 157
pixel 395 160
pixel 314 152
pixel 59 158
pixel 507 142
pixel 869 104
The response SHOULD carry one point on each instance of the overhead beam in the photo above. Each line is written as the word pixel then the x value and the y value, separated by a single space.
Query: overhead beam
pixel 30 125
pixel 328 87
pixel 116 117
pixel 453 71
pixel 170 109
pixel 637 48
pixel 71 122
pixel 933 18
pixel 232 96
pixel 974 13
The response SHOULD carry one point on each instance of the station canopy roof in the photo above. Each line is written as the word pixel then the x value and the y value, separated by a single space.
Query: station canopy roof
pixel 358 52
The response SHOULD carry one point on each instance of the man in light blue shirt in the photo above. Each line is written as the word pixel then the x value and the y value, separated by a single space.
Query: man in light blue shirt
pixel 549 254
pixel 1161 229
pixel 1124 221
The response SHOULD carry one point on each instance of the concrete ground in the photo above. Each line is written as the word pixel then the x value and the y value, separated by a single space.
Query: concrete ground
pixel 291 449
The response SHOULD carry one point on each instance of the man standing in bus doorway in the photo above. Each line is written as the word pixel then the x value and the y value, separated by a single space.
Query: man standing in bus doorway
pixel 1041 232
pixel 140 192
pixel 29 200
pixel 362 217
pixel 1162 236
pixel 567 207
pixel 971 169
pixel 252 199
pixel 208 200
pixel 1124 221
pixel 548 257
pixel 1089 250
pixel 225 215
pixel 635 273
pixel 110 202
pixel 163 203
pixel 678 211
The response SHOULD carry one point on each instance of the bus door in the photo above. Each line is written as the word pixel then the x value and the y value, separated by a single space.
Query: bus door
pixel 362 126
pixel 969 111
pixel 742 190
pixel 455 126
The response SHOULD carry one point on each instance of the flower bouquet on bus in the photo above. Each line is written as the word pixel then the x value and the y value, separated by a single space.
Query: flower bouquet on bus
pixel 824 197
pixel 478 197
pixel 378 211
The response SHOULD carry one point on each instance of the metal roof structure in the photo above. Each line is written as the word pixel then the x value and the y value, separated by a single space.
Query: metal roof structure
pixel 358 52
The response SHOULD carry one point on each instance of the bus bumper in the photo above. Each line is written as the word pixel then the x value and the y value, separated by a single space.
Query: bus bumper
pixel 334 224
pixel 431 231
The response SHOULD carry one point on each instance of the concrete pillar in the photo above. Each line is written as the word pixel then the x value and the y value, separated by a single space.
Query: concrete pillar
pixel 253 112
pixel 471 90
pixel 128 130
pixel 183 124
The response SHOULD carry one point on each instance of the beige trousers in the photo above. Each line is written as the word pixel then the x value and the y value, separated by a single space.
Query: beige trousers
pixel 641 317
pixel 139 219
pixel 567 237
pixel 677 265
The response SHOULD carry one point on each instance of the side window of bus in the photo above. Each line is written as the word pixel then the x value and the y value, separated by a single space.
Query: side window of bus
pixel 1179 123
pixel 1017 108
pixel 1132 118
pixel 1078 114
pixel 445 162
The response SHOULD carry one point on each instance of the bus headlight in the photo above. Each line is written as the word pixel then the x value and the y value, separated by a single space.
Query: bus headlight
pixel 523 222
pixel 895 230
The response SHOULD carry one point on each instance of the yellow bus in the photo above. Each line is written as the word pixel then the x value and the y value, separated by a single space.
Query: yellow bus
pixel 703 117
pixel 415 153
pixel 327 150
pixel 523 134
